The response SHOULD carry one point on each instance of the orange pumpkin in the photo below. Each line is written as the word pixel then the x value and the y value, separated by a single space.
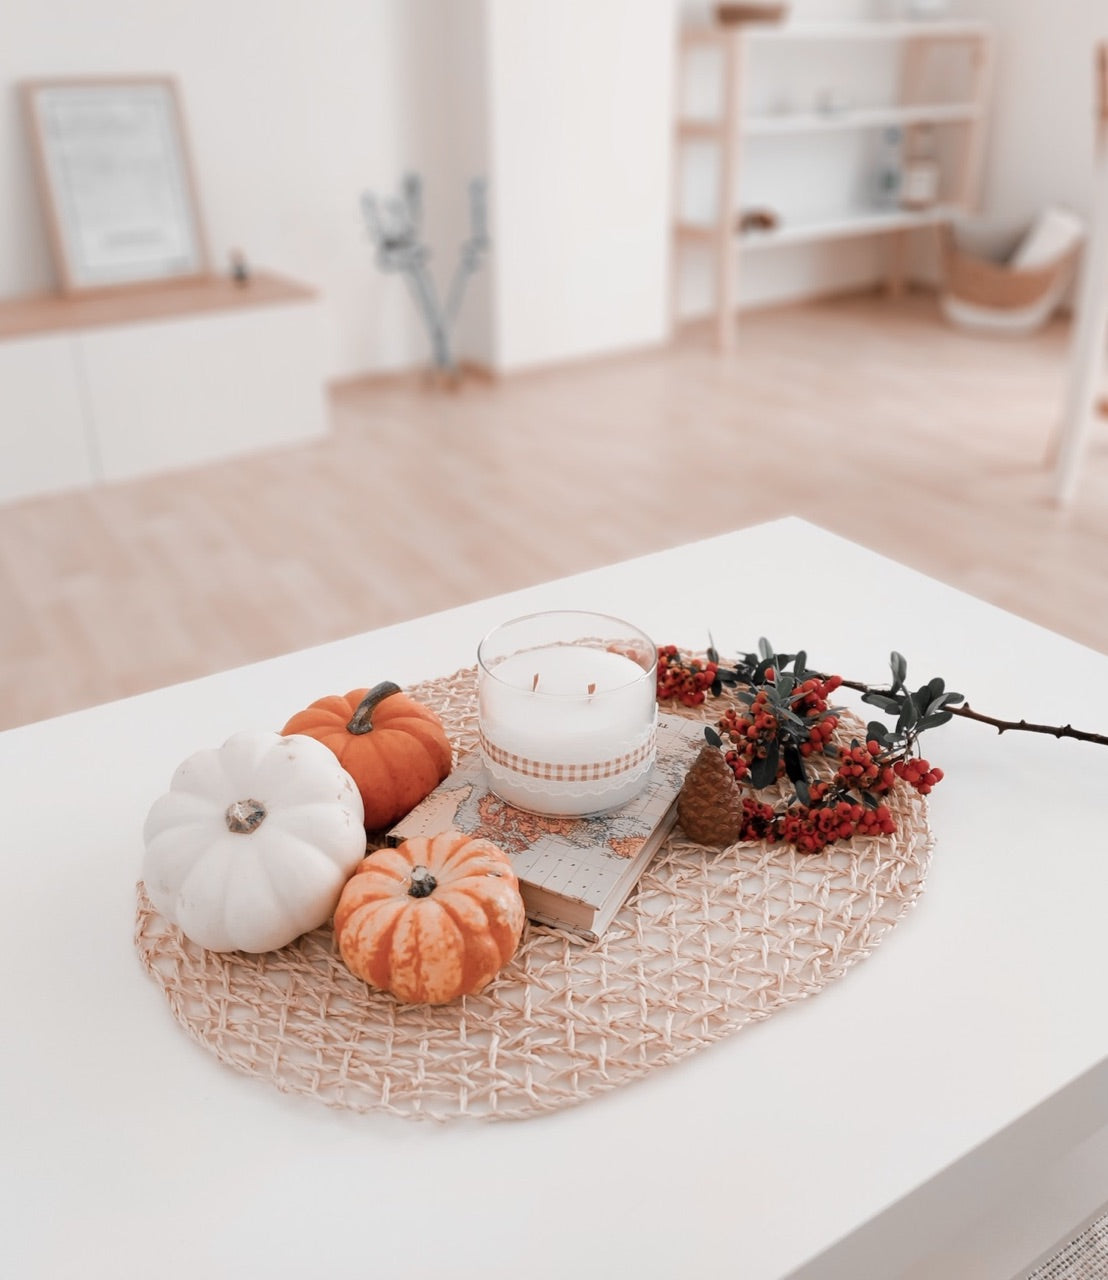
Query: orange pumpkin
pixel 431 920
pixel 394 748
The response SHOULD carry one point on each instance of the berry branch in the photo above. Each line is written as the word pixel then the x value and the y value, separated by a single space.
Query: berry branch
pixel 781 718
pixel 1005 726
pixel 700 678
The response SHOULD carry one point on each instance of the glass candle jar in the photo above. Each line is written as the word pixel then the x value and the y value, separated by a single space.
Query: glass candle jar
pixel 567 709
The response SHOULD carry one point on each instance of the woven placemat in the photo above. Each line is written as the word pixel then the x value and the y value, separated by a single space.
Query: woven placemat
pixel 708 942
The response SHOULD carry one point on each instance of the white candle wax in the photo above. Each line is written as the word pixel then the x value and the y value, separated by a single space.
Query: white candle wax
pixel 599 738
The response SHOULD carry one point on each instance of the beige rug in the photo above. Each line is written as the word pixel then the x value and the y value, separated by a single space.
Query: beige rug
pixel 1085 1257
pixel 708 943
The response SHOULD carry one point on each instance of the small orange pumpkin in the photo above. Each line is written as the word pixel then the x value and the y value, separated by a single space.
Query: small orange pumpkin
pixel 394 748
pixel 431 920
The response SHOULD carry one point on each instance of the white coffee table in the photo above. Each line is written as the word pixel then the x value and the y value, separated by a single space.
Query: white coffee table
pixel 860 1125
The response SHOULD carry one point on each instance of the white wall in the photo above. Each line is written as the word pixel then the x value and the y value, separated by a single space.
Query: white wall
pixel 291 110
pixel 580 111
pixel 1041 139
pixel 447 48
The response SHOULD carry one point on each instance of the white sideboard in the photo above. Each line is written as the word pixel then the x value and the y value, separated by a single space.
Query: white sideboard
pixel 46 444
pixel 121 385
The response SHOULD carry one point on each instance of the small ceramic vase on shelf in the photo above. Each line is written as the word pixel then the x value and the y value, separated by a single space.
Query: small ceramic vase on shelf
pixel 919 187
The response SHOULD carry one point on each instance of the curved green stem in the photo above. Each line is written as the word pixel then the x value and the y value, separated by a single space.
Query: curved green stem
pixel 362 719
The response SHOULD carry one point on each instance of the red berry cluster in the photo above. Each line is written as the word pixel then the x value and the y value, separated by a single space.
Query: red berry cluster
pixel 829 816
pixel 832 816
pixel 864 769
pixel 752 729
pixel 812 703
pixel 759 821
pixel 919 774
pixel 687 680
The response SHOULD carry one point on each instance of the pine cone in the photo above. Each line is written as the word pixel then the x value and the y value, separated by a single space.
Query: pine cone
pixel 709 807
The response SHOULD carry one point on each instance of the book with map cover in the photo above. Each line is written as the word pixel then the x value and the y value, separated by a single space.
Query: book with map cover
pixel 574 873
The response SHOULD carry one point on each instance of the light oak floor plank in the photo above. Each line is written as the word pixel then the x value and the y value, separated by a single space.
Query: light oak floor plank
pixel 864 415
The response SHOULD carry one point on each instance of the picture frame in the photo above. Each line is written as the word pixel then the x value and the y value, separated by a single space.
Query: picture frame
pixel 116 182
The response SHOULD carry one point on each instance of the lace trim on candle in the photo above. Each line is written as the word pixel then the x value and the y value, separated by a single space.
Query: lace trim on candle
pixel 551 772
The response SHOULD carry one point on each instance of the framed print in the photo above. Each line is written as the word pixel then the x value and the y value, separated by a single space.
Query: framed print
pixel 116 182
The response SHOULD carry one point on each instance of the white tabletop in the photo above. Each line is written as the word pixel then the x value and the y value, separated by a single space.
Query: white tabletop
pixel 861 1122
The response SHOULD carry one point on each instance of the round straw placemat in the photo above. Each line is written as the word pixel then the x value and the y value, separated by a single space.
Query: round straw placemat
pixel 708 942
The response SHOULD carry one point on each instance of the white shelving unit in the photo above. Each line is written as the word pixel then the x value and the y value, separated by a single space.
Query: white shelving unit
pixel 912 43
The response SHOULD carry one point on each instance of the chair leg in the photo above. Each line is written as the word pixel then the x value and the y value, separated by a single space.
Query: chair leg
pixel 1091 335
pixel 1086 368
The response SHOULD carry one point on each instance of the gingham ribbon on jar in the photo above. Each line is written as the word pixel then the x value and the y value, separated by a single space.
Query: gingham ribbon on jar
pixel 551 772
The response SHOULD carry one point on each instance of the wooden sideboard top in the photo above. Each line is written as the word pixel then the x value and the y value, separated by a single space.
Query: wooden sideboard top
pixel 57 312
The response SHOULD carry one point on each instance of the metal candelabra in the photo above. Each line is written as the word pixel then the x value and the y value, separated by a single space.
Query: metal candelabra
pixel 394 226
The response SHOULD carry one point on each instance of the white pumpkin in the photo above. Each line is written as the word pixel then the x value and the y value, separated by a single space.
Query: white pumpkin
pixel 253 842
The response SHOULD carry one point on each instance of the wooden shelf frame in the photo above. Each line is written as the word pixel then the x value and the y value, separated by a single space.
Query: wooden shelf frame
pixel 878 117
pixel 850 30
pixel 842 226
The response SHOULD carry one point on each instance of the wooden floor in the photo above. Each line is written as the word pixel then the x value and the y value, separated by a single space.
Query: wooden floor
pixel 865 415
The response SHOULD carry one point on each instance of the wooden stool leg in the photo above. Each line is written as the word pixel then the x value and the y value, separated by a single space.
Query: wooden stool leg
pixel 726 243
pixel 1086 359
pixel 1086 366
pixel 1091 335
pixel 897 271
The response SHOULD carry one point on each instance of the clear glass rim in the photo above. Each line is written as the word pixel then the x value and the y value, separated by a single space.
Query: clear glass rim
pixel 634 632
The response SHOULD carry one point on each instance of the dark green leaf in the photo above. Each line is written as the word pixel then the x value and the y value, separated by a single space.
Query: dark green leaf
pixel 909 714
pixel 899 665
pixel 745 695
pixel 800 664
pixel 935 719
pixel 877 731
pixel 950 698
pixel 712 736
pixel 713 653
pixel 763 773
pixel 794 764
pixel 869 800
pixel 765 649
pixel 882 700
pixel 717 687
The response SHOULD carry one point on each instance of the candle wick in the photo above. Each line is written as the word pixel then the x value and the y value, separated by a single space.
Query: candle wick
pixel 534 682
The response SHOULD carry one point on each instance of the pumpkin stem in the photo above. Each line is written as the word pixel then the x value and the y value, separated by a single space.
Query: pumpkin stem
pixel 245 816
pixel 423 883
pixel 362 719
